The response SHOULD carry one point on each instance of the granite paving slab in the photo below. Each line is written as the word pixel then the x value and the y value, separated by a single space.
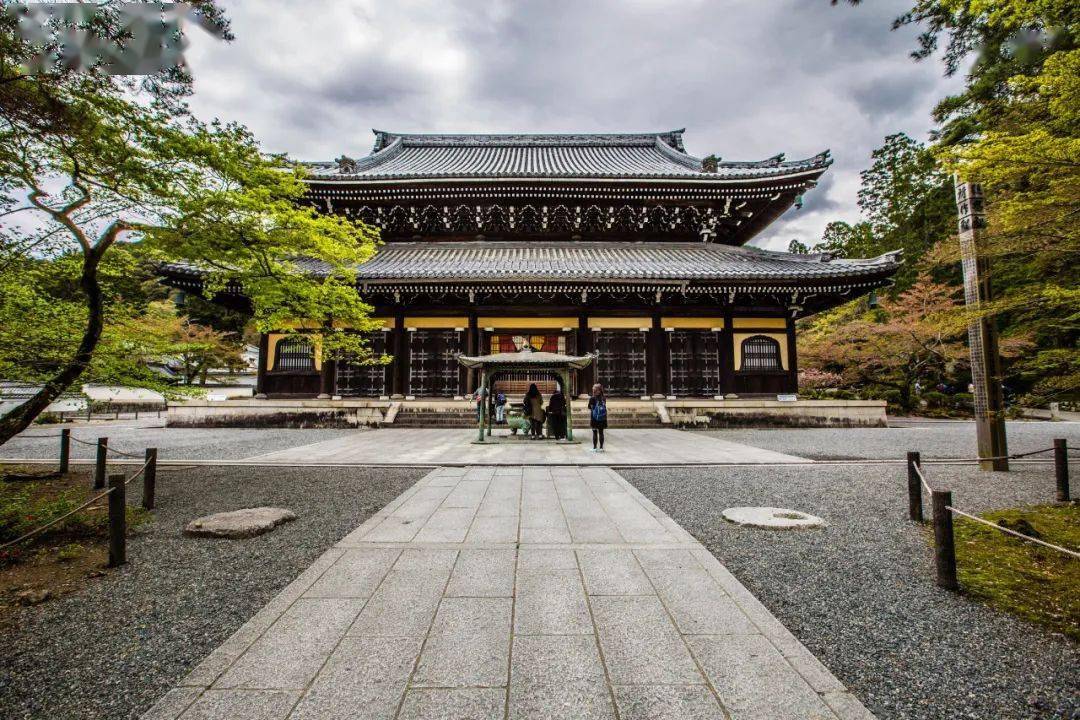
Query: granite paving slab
pixel 514 592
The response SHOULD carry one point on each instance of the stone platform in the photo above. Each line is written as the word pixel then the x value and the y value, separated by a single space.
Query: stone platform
pixel 457 447
pixel 513 593
pixel 684 412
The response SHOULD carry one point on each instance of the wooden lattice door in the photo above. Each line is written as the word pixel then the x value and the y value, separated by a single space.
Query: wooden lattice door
pixel 433 365
pixel 620 362
pixel 695 362
pixel 355 380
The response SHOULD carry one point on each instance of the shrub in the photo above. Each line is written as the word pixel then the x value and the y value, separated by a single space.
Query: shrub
pixel 935 399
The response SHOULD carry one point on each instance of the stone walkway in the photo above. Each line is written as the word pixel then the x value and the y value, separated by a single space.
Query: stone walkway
pixel 513 592
pixel 443 446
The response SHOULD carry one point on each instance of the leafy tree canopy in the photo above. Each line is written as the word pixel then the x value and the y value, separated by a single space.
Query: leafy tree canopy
pixel 88 163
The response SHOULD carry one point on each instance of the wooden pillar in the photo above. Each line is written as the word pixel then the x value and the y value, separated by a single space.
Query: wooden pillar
pixel 472 347
pixel 260 371
pixel 727 356
pixel 327 379
pixel 587 375
pixel 655 373
pixel 793 358
pixel 986 372
pixel 569 406
pixel 401 355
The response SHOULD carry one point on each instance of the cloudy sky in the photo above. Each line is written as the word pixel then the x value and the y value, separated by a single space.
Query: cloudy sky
pixel 746 78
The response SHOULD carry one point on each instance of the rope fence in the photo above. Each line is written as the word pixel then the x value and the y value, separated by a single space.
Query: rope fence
pixel 943 511
pixel 46 526
pixel 116 493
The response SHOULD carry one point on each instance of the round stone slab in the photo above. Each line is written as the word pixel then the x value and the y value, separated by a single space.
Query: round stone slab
pixel 239 523
pixel 771 517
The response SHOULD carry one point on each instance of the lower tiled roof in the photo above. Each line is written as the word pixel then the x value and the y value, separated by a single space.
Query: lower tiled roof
pixel 553 261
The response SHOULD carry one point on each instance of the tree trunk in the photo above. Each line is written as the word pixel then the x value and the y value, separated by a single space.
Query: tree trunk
pixel 18 419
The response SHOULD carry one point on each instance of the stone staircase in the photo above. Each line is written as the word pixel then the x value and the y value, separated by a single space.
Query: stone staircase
pixel 457 416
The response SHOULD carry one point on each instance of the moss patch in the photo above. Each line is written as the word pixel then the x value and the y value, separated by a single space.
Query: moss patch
pixel 1035 583
pixel 60 559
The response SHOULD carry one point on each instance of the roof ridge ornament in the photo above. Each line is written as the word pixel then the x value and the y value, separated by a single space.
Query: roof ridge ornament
pixel 710 164
pixel 346 165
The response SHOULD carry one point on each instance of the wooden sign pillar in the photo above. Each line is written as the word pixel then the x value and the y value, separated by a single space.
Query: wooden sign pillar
pixel 986 374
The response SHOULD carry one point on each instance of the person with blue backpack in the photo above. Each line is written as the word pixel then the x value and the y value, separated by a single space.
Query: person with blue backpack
pixel 598 416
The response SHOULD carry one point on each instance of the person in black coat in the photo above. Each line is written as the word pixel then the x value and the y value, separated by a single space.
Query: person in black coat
pixel 534 410
pixel 598 416
pixel 556 411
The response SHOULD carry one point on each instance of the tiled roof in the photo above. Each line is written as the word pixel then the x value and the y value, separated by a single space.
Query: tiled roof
pixel 495 262
pixel 487 260
pixel 399 156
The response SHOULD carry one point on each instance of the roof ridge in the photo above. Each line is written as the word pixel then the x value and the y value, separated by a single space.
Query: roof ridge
pixel 670 138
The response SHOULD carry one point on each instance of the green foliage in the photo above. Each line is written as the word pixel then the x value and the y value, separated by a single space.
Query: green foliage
pixel 26 506
pixel 1037 584
pixel 907 204
pixel 882 352
pixel 798 248
pixel 1014 128
pixel 22 510
pixel 100 163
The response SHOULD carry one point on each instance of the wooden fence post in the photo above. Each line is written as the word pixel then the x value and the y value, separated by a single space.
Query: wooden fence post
pixel 1061 469
pixel 149 478
pixel 117 521
pixel 65 450
pixel 914 487
pixel 944 547
pixel 99 464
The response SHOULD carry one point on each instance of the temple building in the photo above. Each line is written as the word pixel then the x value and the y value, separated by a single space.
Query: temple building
pixel 622 245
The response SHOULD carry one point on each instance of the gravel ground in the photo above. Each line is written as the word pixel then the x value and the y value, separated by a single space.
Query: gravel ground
pixel 172 443
pixel 931 438
pixel 861 595
pixel 113 648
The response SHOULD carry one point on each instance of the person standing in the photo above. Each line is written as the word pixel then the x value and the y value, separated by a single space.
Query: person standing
pixel 500 408
pixel 556 410
pixel 478 396
pixel 598 416
pixel 534 410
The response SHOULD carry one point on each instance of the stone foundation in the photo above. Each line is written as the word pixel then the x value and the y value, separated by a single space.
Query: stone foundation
pixel 688 413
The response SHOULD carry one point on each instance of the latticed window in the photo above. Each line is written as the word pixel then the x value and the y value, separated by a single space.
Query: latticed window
pixel 760 353
pixel 294 354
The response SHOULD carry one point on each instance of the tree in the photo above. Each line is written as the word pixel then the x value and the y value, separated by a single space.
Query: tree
pixel 848 241
pixel 797 247
pixel 169 338
pixel 907 205
pixel 1015 128
pixel 894 346
pixel 1028 162
pixel 102 166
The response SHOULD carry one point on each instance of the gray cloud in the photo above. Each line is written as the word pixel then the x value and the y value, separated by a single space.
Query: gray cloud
pixel 747 79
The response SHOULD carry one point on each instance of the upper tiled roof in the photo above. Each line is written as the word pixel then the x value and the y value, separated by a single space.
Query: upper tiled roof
pixel 399 156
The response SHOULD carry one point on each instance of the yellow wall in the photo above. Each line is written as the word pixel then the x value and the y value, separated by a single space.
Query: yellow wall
pixel 737 340
pixel 449 323
pixel 527 323
pixel 762 322
pixel 619 323
pixel 706 323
